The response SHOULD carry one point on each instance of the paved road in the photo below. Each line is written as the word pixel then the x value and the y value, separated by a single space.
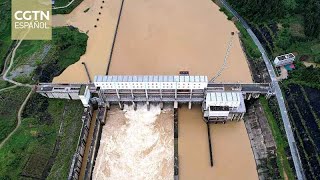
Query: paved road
pixel 61 7
pixel 278 93
pixel 4 77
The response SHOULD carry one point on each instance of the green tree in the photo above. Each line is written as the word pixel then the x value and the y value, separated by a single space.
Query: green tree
pixel 312 18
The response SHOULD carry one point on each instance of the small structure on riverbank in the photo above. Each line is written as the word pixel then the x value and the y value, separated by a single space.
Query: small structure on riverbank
pixel 284 60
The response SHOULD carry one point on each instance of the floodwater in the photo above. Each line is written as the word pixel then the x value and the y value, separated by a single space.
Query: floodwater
pixel 232 155
pixel 100 37
pixel 136 145
pixel 165 37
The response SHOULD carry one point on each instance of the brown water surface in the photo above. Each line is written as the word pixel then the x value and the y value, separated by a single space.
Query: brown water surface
pixel 232 155
pixel 165 37
pixel 100 37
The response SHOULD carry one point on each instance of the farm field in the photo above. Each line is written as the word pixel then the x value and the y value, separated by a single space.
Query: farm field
pixel 37 149
pixel 304 115
pixel 10 102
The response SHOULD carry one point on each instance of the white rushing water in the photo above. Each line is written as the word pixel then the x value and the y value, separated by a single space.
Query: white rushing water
pixel 136 145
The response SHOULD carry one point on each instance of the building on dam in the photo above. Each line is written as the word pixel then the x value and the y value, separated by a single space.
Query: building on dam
pixel 220 101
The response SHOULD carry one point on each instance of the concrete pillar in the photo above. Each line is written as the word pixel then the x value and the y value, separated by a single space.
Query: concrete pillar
pixel 190 94
pixel 161 94
pixel 175 94
pixel 148 105
pixel 175 104
pixel 146 94
pixel 120 105
pixel 190 104
pixel 241 117
pixel 118 93
pixel 134 105
pixel 249 97
pixel 108 105
pixel 161 105
pixel 268 95
pixel 132 94
pixel 256 95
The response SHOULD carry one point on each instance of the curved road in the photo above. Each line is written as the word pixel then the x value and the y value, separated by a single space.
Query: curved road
pixel 278 93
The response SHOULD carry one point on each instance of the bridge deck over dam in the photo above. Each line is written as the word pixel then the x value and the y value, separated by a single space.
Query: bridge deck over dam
pixel 163 89
pixel 74 89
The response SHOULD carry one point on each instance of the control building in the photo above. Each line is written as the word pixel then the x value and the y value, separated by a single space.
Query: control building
pixel 222 106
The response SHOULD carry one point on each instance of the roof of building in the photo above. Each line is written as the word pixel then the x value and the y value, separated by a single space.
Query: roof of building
pixel 150 79
pixel 231 99
pixel 285 56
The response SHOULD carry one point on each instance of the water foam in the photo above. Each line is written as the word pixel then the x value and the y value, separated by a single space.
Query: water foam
pixel 138 148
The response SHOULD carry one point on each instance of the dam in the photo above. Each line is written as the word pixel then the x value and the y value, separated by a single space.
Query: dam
pixel 220 102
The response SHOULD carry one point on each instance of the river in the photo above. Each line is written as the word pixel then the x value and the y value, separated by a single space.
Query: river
pixel 163 38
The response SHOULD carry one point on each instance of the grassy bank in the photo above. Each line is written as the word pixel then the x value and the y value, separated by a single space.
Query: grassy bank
pixel 4 84
pixel 37 150
pixel 281 142
pixel 10 102
pixel 67 10
pixel 42 60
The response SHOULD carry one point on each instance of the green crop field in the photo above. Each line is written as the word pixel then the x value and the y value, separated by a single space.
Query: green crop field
pixel 5 30
pixel 37 150
pixel 10 102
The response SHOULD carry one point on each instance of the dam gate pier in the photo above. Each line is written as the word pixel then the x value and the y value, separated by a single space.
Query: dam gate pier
pixel 221 102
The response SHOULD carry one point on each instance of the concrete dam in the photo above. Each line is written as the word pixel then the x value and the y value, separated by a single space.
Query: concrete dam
pixel 220 102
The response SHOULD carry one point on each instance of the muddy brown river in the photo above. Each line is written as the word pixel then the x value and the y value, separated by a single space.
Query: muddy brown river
pixel 165 37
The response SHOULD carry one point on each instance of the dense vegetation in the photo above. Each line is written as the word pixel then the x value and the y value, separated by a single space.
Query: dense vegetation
pixel 284 26
pixel 44 144
pixel 5 30
pixel 290 25
pixel 261 11
pixel 42 60
pixel 304 111
pixel 10 102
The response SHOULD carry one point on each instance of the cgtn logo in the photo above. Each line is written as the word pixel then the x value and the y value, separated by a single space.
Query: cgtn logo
pixel 31 19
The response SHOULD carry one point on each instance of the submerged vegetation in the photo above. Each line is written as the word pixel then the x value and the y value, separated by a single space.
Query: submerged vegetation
pixel 40 61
